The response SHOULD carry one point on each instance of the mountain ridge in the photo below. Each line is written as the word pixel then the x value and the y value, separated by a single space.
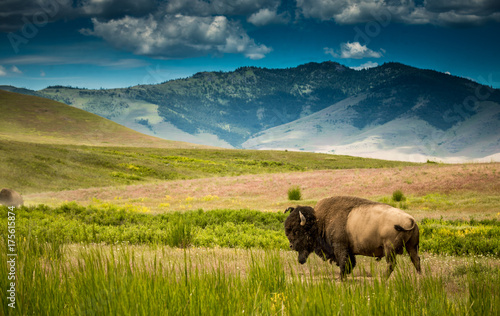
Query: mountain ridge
pixel 231 109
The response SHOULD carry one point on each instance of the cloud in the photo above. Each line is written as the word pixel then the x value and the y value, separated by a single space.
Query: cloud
pixel 126 63
pixel 218 7
pixel 109 9
pixel 352 50
pixel 4 72
pixel 366 65
pixel 436 12
pixel 177 36
pixel 16 70
pixel 34 59
pixel 42 73
pixel 15 14
pixel 267 16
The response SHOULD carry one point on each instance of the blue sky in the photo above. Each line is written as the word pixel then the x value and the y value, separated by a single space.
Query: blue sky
pixel 112 43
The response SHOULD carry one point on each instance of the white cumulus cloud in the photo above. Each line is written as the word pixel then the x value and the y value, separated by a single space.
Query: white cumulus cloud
pixel 268 16
pixel 353 50
pixel 3 71
pixel 178 36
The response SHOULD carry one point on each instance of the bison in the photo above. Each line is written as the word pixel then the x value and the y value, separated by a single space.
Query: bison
pixel 339 228
pixel 10 197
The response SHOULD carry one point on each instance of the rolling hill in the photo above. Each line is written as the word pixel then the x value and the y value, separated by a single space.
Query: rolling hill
pixel 32 119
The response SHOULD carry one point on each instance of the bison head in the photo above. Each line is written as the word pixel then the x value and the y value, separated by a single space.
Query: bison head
pixel 301 229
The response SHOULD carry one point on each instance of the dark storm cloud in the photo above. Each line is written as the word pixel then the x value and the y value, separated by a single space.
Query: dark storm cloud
pixel 14 14
pixel 112 9
pixel 217 7
pixel 436 12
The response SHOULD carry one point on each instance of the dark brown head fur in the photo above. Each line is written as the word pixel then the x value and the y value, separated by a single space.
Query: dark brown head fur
pixel 302 238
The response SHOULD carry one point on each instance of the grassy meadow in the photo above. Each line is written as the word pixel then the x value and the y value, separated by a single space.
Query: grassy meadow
pixel 31 168
pixel 106 259
pixel 115 230
pixel 167 271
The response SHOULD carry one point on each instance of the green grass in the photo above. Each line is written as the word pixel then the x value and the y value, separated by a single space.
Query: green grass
pixel 152 281
pixel 30 168
pixel 459 237
pixel 72 223
pixel 74 260
pixel 38 120
pixel 436 204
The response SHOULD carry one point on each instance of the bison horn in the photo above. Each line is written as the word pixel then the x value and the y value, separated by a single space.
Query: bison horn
pixel 302 219
pixel 290 209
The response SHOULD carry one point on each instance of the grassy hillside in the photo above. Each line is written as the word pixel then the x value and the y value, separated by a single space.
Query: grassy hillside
pixel 31 168
pixel 38 120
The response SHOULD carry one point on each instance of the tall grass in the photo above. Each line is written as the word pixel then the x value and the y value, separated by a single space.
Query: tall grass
pixel 72 223
pixel 121 281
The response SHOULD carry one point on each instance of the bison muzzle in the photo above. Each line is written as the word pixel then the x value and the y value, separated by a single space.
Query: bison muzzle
pixel 339 228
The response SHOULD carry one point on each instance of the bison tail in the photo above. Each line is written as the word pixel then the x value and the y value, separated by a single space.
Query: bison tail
pixel 401 229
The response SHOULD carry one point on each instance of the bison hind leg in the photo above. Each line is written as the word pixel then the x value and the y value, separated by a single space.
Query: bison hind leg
pixel 412 249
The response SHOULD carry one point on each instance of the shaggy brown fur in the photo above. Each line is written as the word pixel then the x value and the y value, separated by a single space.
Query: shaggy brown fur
pixel 332 216
pixel 10 197
pixel 325 233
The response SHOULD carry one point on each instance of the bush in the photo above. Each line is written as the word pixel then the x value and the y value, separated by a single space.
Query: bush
pixel 398 196
pixel 294 194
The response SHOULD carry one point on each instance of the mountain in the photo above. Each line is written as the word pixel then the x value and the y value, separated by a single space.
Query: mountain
pixel 392 111
pixel 33 119
pixel 407 137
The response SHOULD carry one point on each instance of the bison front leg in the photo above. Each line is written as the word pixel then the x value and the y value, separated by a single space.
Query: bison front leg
pixel 345 260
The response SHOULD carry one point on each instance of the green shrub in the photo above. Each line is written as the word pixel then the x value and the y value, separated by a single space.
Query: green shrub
pixel 398 196
pixel 294 194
